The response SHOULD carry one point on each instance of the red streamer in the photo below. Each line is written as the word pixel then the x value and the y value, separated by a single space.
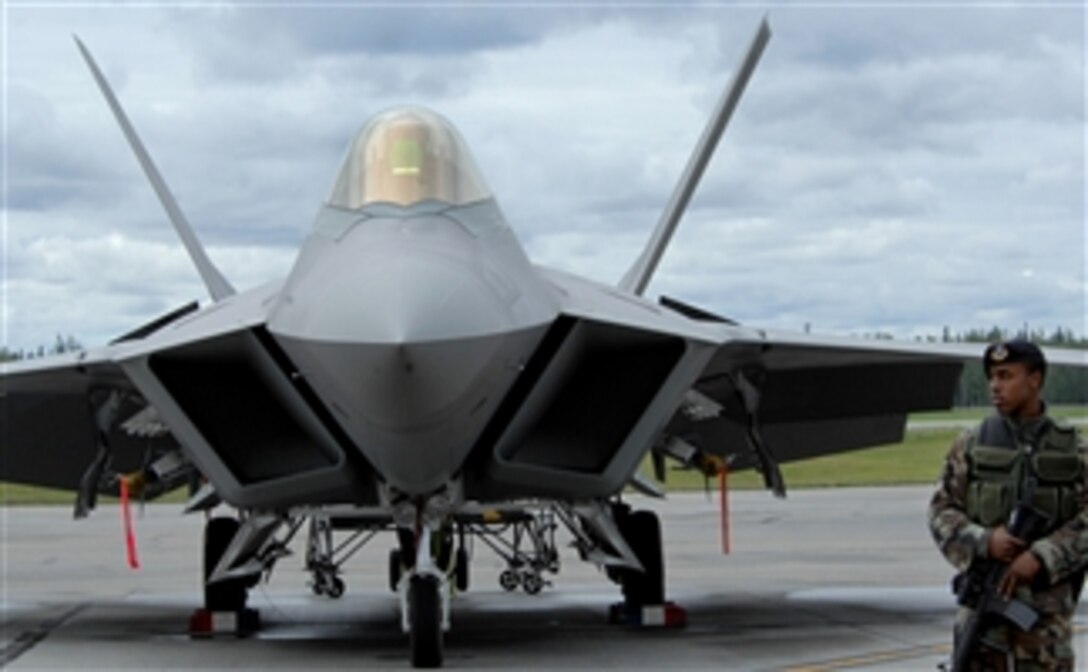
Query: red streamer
pixel 126 521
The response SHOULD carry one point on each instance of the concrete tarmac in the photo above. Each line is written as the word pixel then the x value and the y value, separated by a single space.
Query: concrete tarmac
pixel 826 580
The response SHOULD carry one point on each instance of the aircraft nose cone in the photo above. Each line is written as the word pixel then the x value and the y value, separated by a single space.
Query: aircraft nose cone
pixel 423 299
pixel 402 388
pixel 392 295
pixel 409 344
pixel 404 334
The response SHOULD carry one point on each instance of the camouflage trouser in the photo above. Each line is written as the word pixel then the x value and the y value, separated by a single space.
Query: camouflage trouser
pixel 1048 647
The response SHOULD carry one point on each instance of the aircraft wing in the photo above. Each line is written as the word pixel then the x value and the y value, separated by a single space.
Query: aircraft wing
pixel 55 410
pixel 48 431
pixel 788 396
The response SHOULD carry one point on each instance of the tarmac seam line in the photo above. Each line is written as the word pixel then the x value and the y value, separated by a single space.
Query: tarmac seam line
pixel 27 640
pixel 898 655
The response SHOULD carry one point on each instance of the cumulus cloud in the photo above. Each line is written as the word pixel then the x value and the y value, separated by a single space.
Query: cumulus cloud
pixel 890 169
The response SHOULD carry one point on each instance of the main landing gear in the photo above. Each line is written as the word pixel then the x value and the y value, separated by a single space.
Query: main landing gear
pixel 229 594
pixel 642 532
pixel 643 591
pixel 224 609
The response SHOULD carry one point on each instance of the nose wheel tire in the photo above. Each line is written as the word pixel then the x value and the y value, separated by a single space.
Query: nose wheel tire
pixel 425 616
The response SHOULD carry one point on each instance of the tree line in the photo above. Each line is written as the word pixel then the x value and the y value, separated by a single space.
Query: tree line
pixel 1064 385
pixel 60 345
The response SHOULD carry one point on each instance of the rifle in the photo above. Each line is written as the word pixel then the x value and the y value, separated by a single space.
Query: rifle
pixel 977 589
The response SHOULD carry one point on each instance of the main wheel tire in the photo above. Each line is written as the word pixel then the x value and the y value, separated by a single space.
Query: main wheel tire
pixel 642 531
pixel 425 617
pixel 229 595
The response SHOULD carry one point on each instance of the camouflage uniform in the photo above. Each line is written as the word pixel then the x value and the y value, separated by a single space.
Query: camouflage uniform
pixel 1063 554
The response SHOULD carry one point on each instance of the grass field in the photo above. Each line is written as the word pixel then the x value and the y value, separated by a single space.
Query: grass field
pixel 917 460
pixel 13 494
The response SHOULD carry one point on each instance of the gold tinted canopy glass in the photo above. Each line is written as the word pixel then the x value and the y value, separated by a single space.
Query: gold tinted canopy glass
pixel 405 156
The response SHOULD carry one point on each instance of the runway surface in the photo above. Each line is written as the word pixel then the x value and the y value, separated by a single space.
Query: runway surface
pixel 825 580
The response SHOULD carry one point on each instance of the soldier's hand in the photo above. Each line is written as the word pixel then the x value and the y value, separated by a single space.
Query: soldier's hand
pixel 1021 572
pixel 1003 546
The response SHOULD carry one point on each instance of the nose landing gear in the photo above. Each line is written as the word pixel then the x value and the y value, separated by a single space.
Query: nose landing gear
pixel 425 605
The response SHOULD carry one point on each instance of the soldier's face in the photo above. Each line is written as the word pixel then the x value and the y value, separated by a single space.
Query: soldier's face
pixel 1013 390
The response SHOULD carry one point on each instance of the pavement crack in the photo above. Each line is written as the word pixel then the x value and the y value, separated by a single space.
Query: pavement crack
pixel 27 640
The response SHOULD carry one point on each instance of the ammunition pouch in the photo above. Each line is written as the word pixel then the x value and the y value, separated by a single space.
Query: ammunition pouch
pixel 997 472
pixel 1060 469
pixel 993 488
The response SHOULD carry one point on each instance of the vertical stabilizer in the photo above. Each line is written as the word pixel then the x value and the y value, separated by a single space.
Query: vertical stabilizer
pixel 643 269
pixel 217 285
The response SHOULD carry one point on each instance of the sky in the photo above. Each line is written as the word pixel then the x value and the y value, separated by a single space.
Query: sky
pixel 893 167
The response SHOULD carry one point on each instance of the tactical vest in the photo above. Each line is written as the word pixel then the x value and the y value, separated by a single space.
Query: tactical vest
pixel 998 467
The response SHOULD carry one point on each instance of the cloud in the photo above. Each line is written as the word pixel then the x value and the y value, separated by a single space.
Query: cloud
pixel 890 169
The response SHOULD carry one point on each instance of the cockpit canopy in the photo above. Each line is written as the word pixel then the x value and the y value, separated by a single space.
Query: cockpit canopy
pixel 405 156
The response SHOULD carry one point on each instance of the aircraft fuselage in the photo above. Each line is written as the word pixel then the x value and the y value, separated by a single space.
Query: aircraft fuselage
pixel 411 326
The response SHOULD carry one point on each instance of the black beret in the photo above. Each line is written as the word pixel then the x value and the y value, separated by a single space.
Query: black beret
pixel 1017 350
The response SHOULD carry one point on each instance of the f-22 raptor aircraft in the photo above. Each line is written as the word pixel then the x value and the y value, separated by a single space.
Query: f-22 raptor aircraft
pixel 416 372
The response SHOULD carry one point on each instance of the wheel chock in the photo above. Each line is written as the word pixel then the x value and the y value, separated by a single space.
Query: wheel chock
pixel 667 615
pixel 204 623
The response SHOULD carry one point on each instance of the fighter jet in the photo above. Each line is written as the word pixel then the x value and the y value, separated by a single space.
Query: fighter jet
pixel 416 372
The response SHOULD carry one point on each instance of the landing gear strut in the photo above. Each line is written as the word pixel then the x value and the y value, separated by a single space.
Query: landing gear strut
pixel 642 531
pixel 643 592
pixel 425 603
pixel 229 594
pixel 224 611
